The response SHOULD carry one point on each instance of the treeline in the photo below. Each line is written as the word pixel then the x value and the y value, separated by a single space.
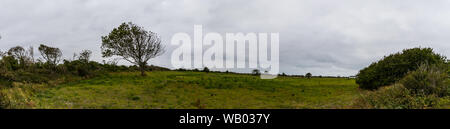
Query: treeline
pixel 19 65
pixel 128 41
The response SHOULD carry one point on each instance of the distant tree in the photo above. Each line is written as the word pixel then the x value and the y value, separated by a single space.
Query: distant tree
pixel 24 57
pixel 85 55
pixel 196 70
pixel 308 75
pixel 51 55
pixel 283 74
pixel 206 69
pixel 256 72
pixel 18 52
pixel 133 44
pixel 181 69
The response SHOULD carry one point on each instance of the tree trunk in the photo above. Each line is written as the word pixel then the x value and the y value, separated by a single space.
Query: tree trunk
pixel 142 67
pixel 143 72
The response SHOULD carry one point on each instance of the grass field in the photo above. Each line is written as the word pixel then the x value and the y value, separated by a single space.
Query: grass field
pixel 194 90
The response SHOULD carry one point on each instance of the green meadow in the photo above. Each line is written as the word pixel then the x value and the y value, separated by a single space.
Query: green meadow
pixel 191 90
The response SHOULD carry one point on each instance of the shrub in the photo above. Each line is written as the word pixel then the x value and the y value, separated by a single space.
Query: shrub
pixel 427 80
pixel 4 82
pixel 24 76
pixel 394 67
pixel 156 68
pixel 448 68
pixel 396 97
pixel 9 63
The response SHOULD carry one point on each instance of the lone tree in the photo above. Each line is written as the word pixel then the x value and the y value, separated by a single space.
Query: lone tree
pixel 206 69
pixel 50 54
pixel 308 75
pixel 133 44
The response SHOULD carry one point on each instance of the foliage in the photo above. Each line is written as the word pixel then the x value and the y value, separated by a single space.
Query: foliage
pixel 428 80
pixel 394 67
pixel 82 68
pixel 85 55
pixel 256 72
pixel 22 55
pixel 51 55
pixel 8 63
pixel 308 75
pixel 206 69
pixel 397 97
pixel 18 96
pixel 133 43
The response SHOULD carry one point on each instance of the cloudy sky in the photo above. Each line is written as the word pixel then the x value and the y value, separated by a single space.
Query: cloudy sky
pixel 326 37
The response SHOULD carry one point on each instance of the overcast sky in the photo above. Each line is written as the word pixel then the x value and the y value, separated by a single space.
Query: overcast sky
pixel 326 37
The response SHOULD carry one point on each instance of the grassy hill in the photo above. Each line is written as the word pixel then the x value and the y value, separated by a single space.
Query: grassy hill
pixel 192 90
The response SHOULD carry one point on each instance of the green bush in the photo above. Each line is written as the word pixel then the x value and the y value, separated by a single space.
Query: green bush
pixel 427 80
pixel 397 97
pixel 4 82
pixel 9 63
pixel 448 68
pixel 23 76
pixel 394 67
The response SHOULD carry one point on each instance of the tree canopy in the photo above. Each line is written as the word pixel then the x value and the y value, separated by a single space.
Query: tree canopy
pixel 50 54
pixel 133 44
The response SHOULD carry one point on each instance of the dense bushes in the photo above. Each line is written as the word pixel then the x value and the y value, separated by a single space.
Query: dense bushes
pixel 82 68
pixel 394 67
pixel 397 97
pixel 18 65
pixel 424 88
pixel 421 80
pixel 428 80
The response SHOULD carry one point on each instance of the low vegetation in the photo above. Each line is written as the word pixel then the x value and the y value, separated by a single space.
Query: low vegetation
pixel 425 87
pixel 399 97
pixel 191 90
